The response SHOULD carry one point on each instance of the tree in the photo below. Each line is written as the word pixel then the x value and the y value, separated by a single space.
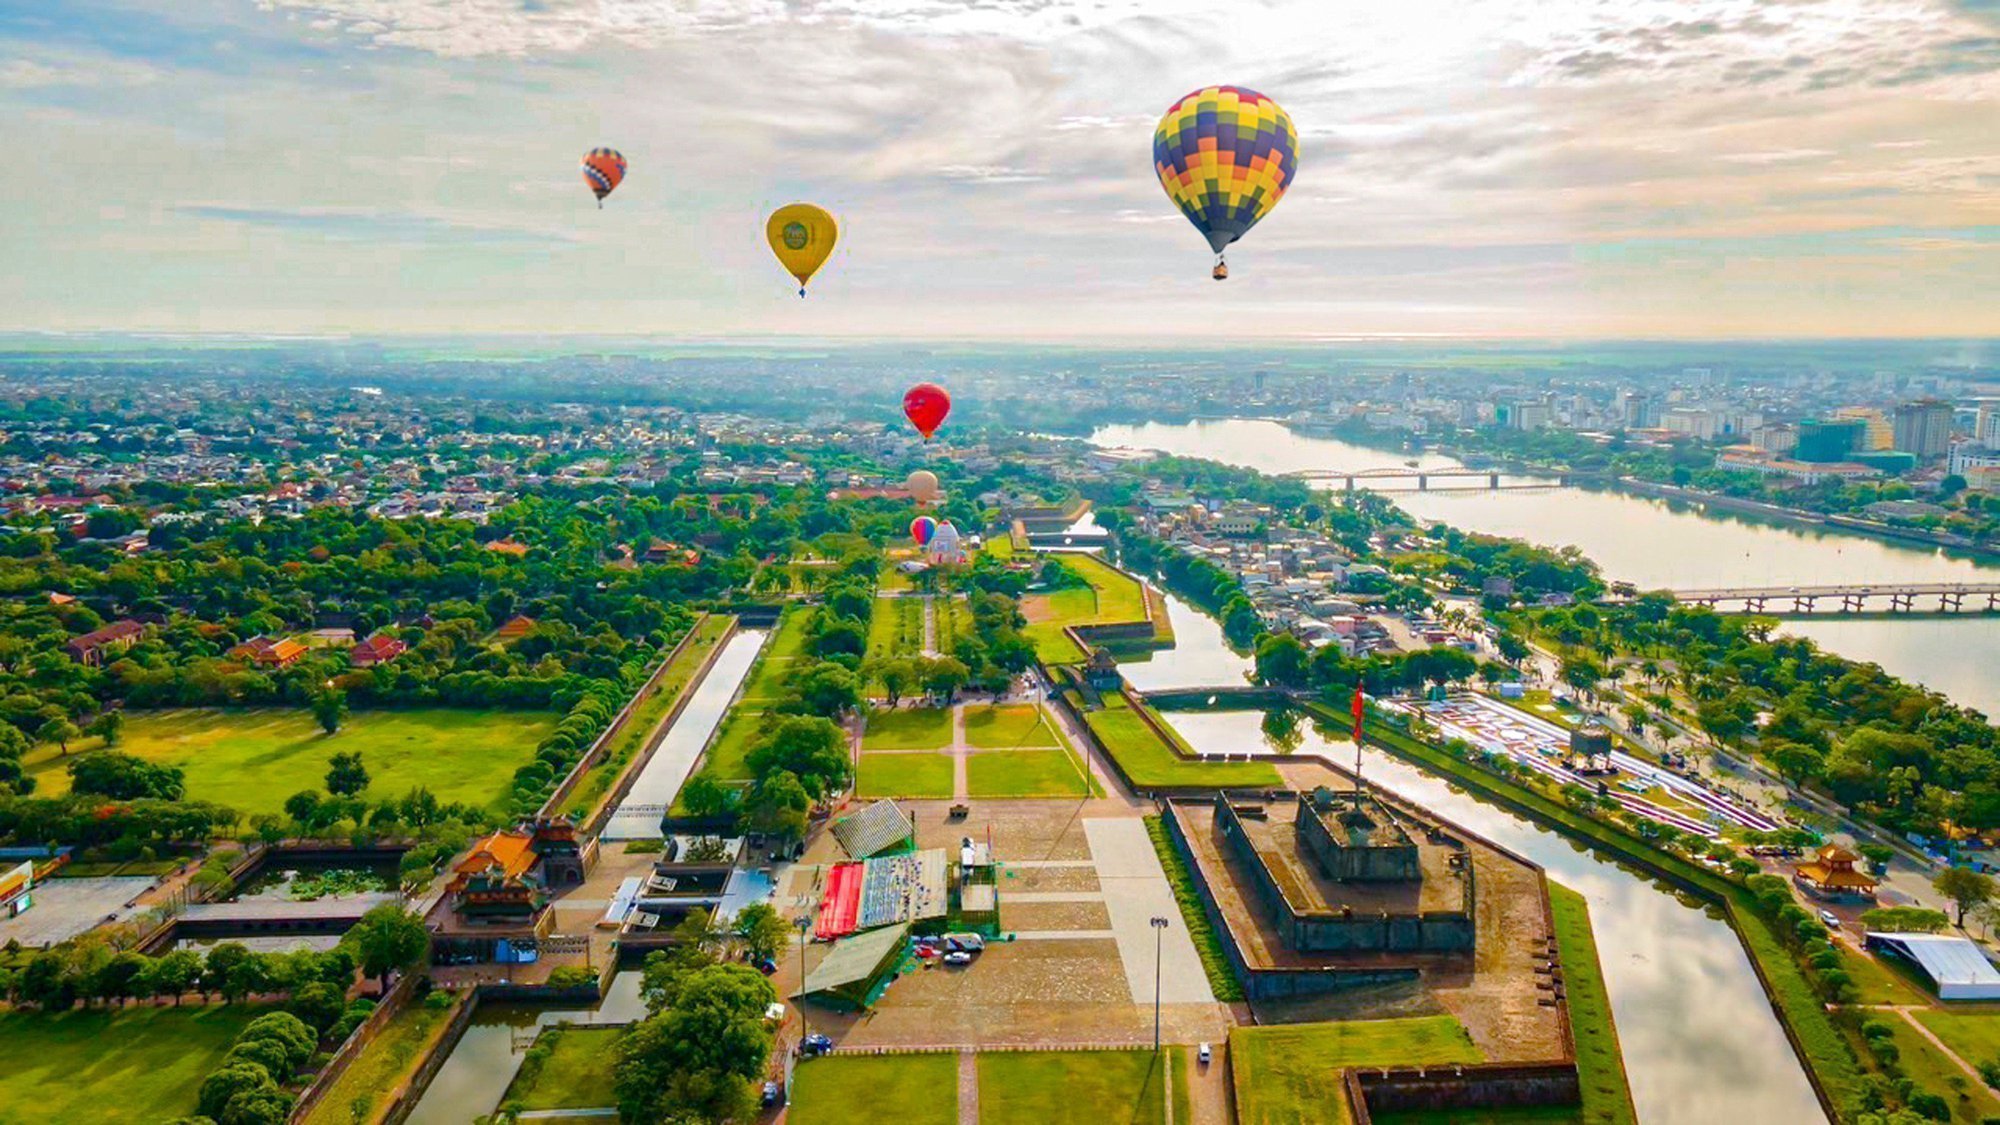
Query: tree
pixel 1965 888
pixel 124 777
pixel 286 1030
pixel 696 1060
pixel 812 748
pixel 226 1083
pixel 329 707
pixel 110 726
pixel 705 797
pixel 897 676
pixel 388 939
pixel 944 676
pixel 779 806
pixel 1282 660
pixel 61 732
pixel 762 929
pixel 345 775
pixel 302 805
pixel 174 973
pixel 827 689
pixel 1796 761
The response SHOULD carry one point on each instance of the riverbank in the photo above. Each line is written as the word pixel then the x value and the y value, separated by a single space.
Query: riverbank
pixel 1799 517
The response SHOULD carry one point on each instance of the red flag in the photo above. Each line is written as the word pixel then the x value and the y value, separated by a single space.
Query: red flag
pixel 1359 710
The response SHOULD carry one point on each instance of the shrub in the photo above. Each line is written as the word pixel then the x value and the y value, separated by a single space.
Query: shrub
pixel 219 1088
pixel 571 976
pixel 319 1005
pixel 287 1030
pixel 273 1057
pixel 438 1001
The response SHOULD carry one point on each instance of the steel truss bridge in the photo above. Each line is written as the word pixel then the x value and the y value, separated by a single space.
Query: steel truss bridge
pixel 1876 597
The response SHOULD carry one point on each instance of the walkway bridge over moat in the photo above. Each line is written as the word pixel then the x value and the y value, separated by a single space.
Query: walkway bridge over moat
pixel 1853 597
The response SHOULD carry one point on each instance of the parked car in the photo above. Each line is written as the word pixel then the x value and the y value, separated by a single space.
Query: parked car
pixel 958 957
pixel 816 1044
pixel 771 1095
pixel 1831 919
pixel 1203 1055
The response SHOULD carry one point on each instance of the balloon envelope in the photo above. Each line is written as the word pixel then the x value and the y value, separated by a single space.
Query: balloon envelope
pixel 926 406
pixel 603 170
pixel 802 236
pixel 923 486
pixel 922 528
pixel 1225 155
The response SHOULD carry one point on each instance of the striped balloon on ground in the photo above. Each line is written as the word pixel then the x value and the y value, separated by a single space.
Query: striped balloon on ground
pixel 1225 155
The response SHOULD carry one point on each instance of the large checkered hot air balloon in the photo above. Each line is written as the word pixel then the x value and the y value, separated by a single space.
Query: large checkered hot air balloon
pixel 1225 156
pixel 603 170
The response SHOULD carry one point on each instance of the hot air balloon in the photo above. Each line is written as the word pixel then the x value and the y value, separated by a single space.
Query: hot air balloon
pixel 922 528
pixel 923 486
pixel 801 235
pixel 1225 156
pixel 926 406
pixel 603 170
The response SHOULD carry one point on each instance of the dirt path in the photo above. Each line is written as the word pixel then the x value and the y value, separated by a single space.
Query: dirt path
pixel 930 625
pixel 961 789
pixel 968 1088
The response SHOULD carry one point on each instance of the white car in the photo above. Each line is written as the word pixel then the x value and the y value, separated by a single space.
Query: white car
pixel 1831 919
pixel 958 957
pixel 1202 1054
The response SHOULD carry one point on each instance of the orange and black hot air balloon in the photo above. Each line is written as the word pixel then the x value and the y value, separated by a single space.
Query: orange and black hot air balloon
pixel 603 170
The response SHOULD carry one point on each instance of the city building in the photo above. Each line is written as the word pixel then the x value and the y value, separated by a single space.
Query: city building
pixel 1781 437
pixel 1638 410
pixel 1693 421
pixel 1826 441
pixel 378 649
pixel 1880 433
pixel 1924 428
pixel 1986 424
pixel 1530 415
pixel 1750 459
pixel 90 649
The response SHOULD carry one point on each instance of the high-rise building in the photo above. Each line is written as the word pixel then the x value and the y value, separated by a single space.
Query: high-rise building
pixel 1638 410
pixel 1924 428
pixel 1823 442
pixel 1693 421
pixel 1986 425
pixel 1530 415
pixel 1779 437
pixel 1881 434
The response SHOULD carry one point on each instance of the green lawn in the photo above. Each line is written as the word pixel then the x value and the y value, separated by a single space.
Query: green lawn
pixel 1119 595
pixel 1973 1036
pixel 659 699
pixel 903 1089
pixel 1290 1075
pixel 767 680
pixel 896 628
pixel 1606 1098
pixel 1148 761
pixel 904 775
pixel 1078 1088
pixel 1880 982
pixel 1016 724
pixel 132 1066
pixel 578 1074
pixel 1048 614
pixel 252 760
pixel 1025 773
pixel 924 728
pixel 1932 1071
pixel 384 1064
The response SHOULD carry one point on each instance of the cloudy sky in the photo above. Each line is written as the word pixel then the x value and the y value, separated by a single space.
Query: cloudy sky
pixel 1500 167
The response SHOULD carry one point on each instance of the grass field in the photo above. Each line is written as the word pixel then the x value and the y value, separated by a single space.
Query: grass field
pixel 954 620
pixel 904 775
pixel 724 760
pixel 1286 1075
pixel 896 628
pixel 1606 1098
pixel 904 1089
pixel 578 1074
pixel 252 760
pixel 384 1064
pixel 1973 1036
pixel 130 1066
pixel 1207 943
pixel 1148 761
pixel 1025 773
pixel 1880 982
pixel 658 700
pixel 1078 1088
pixel 1112 597
pixel 922 728
pixel 1017 724
pixel 1971 1104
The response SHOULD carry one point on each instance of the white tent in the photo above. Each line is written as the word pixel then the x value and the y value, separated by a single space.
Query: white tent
pixel 1955 964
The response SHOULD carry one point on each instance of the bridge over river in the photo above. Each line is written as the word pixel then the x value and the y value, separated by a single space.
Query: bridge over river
pixel 1853 597
pixel 1443 479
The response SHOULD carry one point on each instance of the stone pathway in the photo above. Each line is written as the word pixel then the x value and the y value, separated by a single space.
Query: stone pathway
pixel 968 1088
pixel 961 789
pixel 930 625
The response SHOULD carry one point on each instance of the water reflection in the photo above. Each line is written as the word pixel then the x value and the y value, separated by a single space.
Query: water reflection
pixel 470 1082
pixel 1655 543
pixel 1701 1044
pixel 1200 656
pixel 638 816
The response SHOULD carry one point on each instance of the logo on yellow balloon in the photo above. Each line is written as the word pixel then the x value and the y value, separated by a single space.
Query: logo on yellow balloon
pixel 794 236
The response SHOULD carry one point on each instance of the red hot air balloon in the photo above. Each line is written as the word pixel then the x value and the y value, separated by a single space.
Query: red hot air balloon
pixel 926 406
pixel 603 171
pixel 921 530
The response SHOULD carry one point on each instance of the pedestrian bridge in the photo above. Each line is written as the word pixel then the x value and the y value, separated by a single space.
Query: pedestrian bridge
pixel 1853 597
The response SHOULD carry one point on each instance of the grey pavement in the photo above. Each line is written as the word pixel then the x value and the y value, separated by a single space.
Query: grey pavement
pixel 1135 890
pixel 64 908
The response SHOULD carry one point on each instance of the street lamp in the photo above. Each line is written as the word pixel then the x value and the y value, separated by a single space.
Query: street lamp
pixel 1159 930
pixel 804 923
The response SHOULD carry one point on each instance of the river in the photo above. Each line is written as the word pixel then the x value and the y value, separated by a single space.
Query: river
pixel 1700 1041
pixel 1657 544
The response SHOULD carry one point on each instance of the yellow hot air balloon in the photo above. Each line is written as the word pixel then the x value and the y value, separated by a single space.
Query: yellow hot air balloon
pixel 923 486
pixel 802 236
